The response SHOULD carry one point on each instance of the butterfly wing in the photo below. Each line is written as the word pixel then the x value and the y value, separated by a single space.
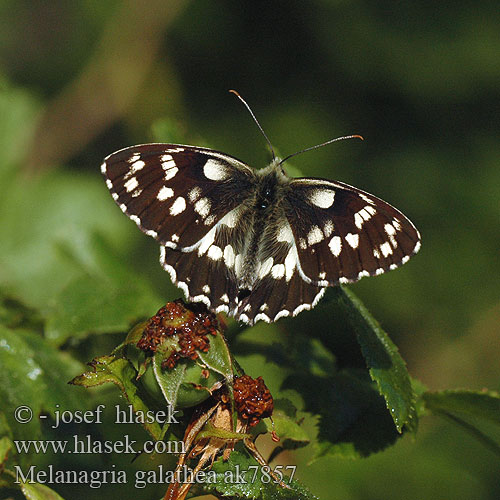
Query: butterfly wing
pixel 175 193
pixel 190 199
pixel 343 233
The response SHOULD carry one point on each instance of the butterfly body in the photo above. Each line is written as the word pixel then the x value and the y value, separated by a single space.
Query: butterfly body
pixel 255 244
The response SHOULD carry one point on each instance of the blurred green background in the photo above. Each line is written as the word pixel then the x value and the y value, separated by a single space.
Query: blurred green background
pixel 419 80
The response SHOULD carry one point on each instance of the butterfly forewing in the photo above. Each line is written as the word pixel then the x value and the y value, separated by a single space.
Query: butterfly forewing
pixel 343 233
pixel 174 193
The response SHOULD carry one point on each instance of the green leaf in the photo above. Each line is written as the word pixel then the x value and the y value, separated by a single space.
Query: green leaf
pixel 78 280
pixel 353 421
pixel 35 491
pixel 168 380
pixel 218 357
pixel 476 412
pixel 5 447
pixel 120 372
pixel 79 308
pixel 476 404
pixel 17 111
pixel 34 374
pixel 242 477
pixel 291 434
pixel 385 364
pixel 14 314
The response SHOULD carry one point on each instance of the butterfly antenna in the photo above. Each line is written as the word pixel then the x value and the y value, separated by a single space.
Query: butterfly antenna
pixel 256 121
pixel 320 146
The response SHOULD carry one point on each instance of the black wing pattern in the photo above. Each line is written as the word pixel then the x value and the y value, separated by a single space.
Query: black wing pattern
pixel 343 233
pixel 176 193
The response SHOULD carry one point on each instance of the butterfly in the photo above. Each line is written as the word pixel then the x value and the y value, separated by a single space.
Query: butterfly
pixel 255 244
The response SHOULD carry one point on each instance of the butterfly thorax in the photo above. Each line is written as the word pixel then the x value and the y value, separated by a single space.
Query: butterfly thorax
pixel 260 219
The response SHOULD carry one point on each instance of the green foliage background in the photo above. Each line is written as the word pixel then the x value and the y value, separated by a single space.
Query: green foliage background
pixel 419 80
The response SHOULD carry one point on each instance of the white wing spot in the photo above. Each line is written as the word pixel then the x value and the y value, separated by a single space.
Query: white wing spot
pixel 379 271
pixel 103 167
pixel 365 214
pixel 152 233
pixel 229 256
pixel 244 318
pixel 225 298
pixel 194 194
pixel 131 184
pixel 165 193
pixel 174 238
pixel 335 245
pixel 302 243
pixel 202 298
pixel 322 198
pixel 238 261
pixel 328 228
pixel 136 193
pixel 215 171
pixel 183 286
pixel 322 275
pixel 376 253
pixel 170 169
pixel 285 234
pixel 265 267
pixel 263 317
pixel 109 184
pixel 352 239
pixel 214 252
pixel 386 249
pixel 278 271
pixel 178 206
pixel 123 208
pixel 290 263
pixel 389 229
pixel 134 157
pixel 417 247
pixel 136 166
pixel 396 224
pixel 282 314
pixel 135 219
pixel 115 196
pixel 315 235
pixel 206 241
pixel 209 220
pixel 230 219
pixel 202 207
pixel 364 197
pixel 405 259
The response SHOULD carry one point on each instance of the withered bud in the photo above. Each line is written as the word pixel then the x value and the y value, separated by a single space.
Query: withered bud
pixel 190 322
pixel 252 398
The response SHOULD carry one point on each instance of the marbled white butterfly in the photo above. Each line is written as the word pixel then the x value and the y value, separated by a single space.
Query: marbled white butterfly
pixel 255 244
